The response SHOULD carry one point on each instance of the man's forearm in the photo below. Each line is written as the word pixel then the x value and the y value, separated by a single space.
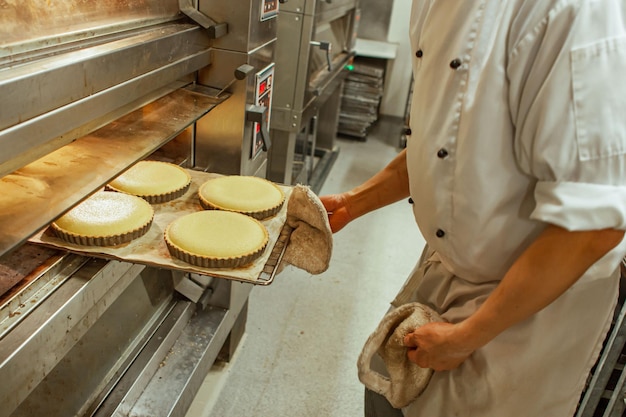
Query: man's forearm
pixel 552 264
pixel 386 187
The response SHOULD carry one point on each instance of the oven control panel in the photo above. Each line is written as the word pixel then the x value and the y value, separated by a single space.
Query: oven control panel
pixel 269 9
pixel 262 98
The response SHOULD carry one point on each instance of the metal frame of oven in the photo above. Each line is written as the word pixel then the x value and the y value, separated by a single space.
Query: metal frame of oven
pixel 315 41
pixel 87 92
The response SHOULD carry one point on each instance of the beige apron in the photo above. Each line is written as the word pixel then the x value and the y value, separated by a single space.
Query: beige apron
pixel 537 368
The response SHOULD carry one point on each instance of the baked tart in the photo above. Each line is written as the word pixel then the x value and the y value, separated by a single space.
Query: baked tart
pixel 105 219
pixel 216 239
pixel 154 181
pixel 253 196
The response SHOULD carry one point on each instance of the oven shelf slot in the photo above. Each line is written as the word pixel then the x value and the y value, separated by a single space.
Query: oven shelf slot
pixel 36 194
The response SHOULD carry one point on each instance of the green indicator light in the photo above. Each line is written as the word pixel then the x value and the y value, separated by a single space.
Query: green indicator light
pixel 349 67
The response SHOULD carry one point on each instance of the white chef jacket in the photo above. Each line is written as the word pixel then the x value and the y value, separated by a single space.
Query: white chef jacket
pixel 518 119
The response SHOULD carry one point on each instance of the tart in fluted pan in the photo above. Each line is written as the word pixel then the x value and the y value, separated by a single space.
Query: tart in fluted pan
pixel 253 196
pixel 154 181
pixel 216 239
pixel 105 219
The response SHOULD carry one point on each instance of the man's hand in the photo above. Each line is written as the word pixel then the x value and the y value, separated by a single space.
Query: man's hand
pixel 543 272
pixel 338 210
pixel 437 346
pixel 389 185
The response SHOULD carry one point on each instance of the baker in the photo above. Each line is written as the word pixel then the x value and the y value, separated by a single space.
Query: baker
pixel 516 169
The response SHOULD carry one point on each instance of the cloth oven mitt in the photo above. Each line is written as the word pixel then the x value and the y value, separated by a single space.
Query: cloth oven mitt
pixel 406 380
pixel 311 243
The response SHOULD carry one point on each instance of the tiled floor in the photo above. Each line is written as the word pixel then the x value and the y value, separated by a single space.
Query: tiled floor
pixel 304 333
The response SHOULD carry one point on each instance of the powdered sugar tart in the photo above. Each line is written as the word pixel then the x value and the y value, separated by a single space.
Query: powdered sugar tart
pixel 253 196
pixel 154 181
pixel 105 219
pixel 216 239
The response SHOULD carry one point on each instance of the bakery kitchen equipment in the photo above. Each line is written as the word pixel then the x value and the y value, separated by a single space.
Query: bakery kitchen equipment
pixel 316 40
pixel 88 89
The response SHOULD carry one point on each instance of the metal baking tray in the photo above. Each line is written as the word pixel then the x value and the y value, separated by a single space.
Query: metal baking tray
pixel 151 250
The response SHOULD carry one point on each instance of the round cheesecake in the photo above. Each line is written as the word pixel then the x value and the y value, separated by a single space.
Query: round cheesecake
pixel 154 181
pixel 216 239
pixel 105 219
pixel 253 196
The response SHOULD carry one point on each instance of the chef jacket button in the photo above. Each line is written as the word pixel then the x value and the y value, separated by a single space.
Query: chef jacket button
pixel 419 53
pixel 440 233
pixel 442 153
pixel 456 63
pixel 411 200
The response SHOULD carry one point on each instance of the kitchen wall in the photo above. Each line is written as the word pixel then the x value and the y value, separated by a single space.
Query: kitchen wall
pixel 388 21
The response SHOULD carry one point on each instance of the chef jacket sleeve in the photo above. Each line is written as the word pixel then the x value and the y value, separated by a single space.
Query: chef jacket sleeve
pixel 567 73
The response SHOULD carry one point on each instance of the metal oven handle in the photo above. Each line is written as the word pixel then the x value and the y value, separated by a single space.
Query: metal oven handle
pixel 190 8
pixel 325 46
pixel 258 114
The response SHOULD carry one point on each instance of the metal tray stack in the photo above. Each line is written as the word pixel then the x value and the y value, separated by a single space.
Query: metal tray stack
pixel 362 92
pixel 605 393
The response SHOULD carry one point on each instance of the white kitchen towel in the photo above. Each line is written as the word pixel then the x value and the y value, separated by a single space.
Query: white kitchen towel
pixel 311 243
pixel 406 380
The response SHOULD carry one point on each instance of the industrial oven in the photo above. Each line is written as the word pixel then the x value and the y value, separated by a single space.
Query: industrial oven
pixel 316 40
pixel 87 89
